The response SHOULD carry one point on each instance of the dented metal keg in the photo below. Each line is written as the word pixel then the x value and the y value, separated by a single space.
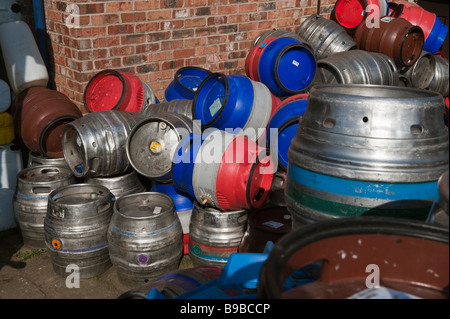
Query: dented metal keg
pixel 34 184
pixel 119 185
pixel 421 73
pixel 325 36
pixel 94 145
pixel 76 227
pixel 214 235
pixel 356 67
pixel 440 81
pixel 145 237
pixel 366 150
pixel 152 143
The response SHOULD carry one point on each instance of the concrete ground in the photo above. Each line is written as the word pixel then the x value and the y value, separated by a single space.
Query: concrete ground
pixel 27 273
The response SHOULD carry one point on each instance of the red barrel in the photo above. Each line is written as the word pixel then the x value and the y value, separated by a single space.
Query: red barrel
pixel 434 30
pixel 395 37
pixel 352 13
pixel 40 115
pixel 114 90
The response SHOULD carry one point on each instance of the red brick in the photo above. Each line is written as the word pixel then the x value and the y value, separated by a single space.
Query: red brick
pixel 184 53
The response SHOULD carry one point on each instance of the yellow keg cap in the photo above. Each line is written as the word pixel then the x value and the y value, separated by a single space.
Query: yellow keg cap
pixel 6 128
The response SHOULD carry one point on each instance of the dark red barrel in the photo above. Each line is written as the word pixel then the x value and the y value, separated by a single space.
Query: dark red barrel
pixel 395 37
pixel 40 115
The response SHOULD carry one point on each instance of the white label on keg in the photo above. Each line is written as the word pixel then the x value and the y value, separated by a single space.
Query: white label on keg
pixel 295 63
pixel 157 210
pixel 382 293
pixel 215 107
pixel 273 224
pixel 387 19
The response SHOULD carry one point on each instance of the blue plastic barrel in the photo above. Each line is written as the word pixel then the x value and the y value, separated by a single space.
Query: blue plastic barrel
pixel 223 101
pixel 436 37
pixel 185 83
pixel 183 163
pixel 286 66
pixel 285 122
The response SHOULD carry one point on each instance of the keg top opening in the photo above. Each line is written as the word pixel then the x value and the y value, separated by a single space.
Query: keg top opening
pixel 144 205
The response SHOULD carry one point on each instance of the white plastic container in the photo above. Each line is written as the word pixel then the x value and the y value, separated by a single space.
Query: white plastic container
pixel 5 96
pixel 10 164
pixel 10 11
pixel 23 61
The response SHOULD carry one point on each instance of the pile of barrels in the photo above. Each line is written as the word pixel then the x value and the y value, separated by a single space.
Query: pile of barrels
pixel 332 122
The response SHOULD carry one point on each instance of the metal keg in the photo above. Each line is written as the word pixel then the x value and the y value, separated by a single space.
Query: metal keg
pixel 76 227
pixel 94 145
pixel 179 106
pixel 145 237
pixel 119 185
pixel 275 33
pixel 214 235
pixel 355 154
pixel 421 73
pixel 356 67
pixel 325 36
pixel 36 159
pixel 152 143
pixel 34 184
pixel 440 81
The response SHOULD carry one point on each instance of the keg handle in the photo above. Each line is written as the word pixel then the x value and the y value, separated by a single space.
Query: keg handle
pixel 318 8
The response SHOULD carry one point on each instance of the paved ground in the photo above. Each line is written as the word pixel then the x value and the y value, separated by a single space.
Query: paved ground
pixel 28 274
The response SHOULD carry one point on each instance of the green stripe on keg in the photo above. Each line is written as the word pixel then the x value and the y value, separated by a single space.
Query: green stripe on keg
pixel 344 197
pixel 337 209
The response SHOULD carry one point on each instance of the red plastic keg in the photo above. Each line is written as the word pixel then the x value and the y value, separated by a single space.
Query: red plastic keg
pixel 114 90
pixel 252 60
pixel 351 13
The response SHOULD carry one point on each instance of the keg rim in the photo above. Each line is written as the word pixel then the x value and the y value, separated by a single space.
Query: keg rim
pixel 102 74
pixel 51 199
pixel 148 194
pixel 42 167
pixel 359 88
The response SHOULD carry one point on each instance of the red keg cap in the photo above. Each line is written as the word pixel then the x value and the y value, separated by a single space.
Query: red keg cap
pixel 113 90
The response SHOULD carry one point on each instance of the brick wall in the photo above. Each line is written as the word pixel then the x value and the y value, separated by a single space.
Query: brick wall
pixel 153 39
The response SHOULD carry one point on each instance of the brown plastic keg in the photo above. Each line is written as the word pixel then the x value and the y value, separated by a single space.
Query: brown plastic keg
pixel 395 37
pixel 39 117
